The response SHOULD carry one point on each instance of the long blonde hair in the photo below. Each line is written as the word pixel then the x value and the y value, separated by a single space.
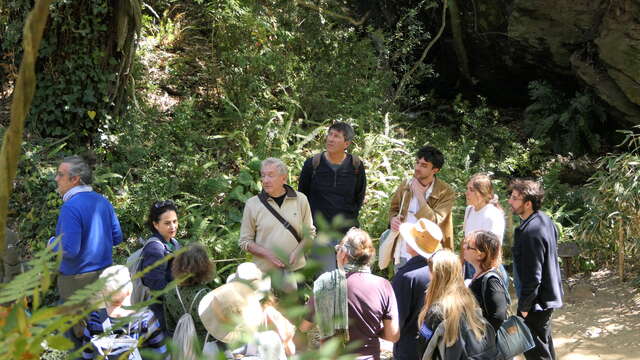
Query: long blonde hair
pixel 447 289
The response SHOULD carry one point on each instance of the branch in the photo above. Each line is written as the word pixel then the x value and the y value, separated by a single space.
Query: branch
pixel 408 74
pixel 22 96
pixel 331 13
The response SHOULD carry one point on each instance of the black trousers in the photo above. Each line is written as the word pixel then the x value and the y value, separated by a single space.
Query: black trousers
pixel 539 322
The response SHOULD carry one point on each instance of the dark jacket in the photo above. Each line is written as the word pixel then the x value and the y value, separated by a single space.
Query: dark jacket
pixel 409 284
pixel 535 255
pixel 331 193
pixel 494 301
pixel 158 277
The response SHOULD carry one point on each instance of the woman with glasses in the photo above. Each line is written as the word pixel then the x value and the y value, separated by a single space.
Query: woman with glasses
pixel 448 302
pixel 163 223
pixel 482 250
pixel 371 303
pixel 483 212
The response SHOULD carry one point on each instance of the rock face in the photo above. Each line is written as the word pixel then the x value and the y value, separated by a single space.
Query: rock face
pixel 596 41
pixel 574 43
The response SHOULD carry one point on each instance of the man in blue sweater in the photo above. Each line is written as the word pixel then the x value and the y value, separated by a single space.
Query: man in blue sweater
pixel 536 269
pixel 88 227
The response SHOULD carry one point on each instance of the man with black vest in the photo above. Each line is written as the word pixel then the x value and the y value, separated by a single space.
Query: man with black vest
pixel 335 183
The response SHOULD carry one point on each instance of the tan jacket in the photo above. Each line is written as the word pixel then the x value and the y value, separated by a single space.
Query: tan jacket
pixel 438 207
pixel 259 225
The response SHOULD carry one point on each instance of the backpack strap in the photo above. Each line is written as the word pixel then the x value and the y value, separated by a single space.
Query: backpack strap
pixel 356 162
pixel 195 298
pixel 149 241
pixel 315 162
pixel 184 309
pixel 263 198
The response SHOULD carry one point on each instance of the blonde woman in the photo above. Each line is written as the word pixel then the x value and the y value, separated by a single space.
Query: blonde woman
pixel 448 298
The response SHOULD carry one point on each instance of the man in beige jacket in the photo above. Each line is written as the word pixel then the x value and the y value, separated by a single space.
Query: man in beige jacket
pixel 425 196
pixel 272 244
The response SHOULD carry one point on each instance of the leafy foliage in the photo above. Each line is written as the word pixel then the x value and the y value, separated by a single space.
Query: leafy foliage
pixel 570 124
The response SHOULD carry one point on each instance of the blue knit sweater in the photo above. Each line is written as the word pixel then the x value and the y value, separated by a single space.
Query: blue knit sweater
pixel 89 228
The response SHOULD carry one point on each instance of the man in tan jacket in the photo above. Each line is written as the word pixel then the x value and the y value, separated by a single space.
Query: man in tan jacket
pixel 273 245
pixel 425 196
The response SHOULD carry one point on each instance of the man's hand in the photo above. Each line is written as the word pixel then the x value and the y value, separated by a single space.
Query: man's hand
pixel 524 314
pixel 275 261
pixel 295 255
pixel 396 221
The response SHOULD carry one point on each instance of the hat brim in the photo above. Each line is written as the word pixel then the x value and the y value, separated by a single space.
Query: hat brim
pixel 245 323
pixel 385 252
pixel 407 234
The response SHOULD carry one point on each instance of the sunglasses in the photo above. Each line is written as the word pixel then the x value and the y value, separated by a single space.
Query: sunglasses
pixel 161 204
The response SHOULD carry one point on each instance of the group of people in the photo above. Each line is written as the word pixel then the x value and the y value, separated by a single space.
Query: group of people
pixel 433 288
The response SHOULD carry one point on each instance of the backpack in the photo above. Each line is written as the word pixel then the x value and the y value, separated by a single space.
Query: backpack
pixel 185 337
pixel 355 161
pixel 140 292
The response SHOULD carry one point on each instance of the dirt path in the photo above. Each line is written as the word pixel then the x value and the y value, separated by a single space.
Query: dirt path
pixel 600 319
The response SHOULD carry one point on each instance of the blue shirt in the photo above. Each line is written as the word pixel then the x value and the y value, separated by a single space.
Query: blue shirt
pixel 409 285
pixel 90 229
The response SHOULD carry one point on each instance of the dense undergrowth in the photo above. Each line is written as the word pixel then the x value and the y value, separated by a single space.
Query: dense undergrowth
pixel 221 85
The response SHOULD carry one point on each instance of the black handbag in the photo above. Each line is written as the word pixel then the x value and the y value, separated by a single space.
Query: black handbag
pixel 513 337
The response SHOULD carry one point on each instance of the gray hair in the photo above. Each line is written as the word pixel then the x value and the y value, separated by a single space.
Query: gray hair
pixel 282 168
pixel 117 281
pixel 79 167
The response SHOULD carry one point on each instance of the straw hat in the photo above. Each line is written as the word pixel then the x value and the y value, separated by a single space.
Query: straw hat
pixel 230 311
pixel 424 236
pixel 385 252
pixel 250 274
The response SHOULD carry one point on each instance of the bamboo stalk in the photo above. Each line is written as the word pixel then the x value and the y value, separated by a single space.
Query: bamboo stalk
pixel 621 250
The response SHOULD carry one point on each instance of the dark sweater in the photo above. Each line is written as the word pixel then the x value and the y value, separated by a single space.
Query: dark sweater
pixel 535 255
pixel 332 193
pixel 494 302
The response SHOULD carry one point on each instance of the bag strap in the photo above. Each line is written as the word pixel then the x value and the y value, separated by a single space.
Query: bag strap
pixel 184 309
pixel 263 198
pixel 492 273
pixel 195 298
pixel 149 241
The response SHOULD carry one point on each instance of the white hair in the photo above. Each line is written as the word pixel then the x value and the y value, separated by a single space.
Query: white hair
pixel 117 281
pixel 282 168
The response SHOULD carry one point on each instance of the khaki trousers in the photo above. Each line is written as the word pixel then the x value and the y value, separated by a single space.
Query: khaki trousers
pixel 68 284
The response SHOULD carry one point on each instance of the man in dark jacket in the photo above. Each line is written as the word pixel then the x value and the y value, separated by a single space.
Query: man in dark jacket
pixel 535 257
pixel 334 181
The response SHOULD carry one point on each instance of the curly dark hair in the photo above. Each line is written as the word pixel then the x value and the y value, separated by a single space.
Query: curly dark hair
pixel 195 263
pixel 432 155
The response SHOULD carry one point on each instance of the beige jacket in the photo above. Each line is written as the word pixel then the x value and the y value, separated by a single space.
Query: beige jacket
pixel 259 225
pixel 438 207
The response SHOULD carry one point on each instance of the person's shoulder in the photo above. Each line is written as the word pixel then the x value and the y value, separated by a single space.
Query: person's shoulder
pixel 442 186
pixel 301 196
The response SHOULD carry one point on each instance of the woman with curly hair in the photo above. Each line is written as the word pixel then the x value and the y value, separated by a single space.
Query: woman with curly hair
pixel 194 266
pixel 448 299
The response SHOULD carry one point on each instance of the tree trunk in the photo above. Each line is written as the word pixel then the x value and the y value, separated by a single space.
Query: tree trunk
pixel 621 250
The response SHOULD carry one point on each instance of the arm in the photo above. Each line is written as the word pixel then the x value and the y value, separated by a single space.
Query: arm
pixel 391 328
pixel 116 231
pixel 394 219
pixel 71 231
pixel 495 301
pixel 361 187
pixel 308 231
pixel 529 267
pixel 304 181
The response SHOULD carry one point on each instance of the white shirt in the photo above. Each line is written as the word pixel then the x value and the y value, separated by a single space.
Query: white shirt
pixel 489 218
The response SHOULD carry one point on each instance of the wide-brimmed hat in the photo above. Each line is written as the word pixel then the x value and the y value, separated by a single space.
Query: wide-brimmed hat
pixel 385 252
pixel 250 274
pixel 230 311
pixel 424 236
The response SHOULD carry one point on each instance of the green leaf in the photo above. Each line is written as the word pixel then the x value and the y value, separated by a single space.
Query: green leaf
pixel 59 342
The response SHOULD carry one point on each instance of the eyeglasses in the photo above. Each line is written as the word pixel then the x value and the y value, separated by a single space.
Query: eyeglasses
pixel 511 197
pixel 161 204
pixel 466 246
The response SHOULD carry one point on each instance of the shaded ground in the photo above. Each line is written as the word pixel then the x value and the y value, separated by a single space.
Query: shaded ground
pixel 600 319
